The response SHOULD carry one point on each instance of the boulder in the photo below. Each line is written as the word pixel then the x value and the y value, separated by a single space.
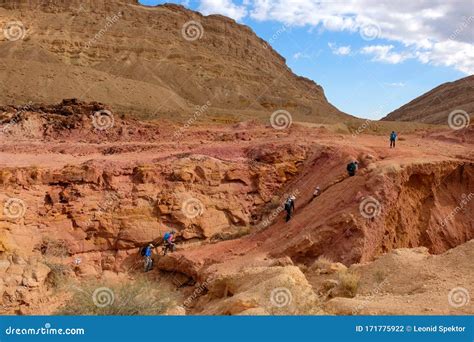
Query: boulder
pixel 276 290
pixel 175 311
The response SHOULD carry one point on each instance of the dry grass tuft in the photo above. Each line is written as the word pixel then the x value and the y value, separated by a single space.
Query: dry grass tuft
pixel 141 297
pixel 348 284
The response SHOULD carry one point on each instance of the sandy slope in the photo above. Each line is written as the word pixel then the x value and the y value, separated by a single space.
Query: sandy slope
pixel 436 105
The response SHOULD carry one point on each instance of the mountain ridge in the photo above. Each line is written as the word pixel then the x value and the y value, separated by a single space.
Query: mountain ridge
pixel 144 64
pixel 435 105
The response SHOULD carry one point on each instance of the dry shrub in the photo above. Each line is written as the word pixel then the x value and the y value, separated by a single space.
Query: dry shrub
pixel 323 263
pixel 324 260
pixel 58 276
pixel 348 284
pixel 139 297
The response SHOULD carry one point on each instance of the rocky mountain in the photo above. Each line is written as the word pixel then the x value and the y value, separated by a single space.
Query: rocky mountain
pixel 435 106
pixel 155 62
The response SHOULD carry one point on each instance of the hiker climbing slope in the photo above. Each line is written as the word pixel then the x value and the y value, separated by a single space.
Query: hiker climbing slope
pixel 352 168
pixel 316 193
pixel 168 242
pixel 289 207
pixel 147 255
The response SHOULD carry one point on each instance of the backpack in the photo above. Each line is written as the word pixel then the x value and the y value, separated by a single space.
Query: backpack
pixel 143 250
pixel 351 167
pixel 393 136
pixel 166 237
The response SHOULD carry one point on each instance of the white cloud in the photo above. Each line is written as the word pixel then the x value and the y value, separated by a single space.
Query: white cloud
pixel 224 7
pixel 395 84
pixel 383 53
pixel 438 32
pixel 339 50
pixel 450 53
pixel 300 55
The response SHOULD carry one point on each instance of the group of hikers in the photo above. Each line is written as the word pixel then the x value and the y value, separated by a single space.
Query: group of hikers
pixel 168 246
pixel 289 207
pixel 352 168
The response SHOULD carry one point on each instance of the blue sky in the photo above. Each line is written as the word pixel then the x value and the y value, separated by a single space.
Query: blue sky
pixel 370 56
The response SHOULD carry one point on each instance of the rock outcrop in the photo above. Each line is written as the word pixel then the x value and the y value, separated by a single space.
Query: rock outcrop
pixel 258 291
pixel 412 282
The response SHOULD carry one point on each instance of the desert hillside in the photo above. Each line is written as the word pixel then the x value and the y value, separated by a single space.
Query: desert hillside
pixel 82 190
pixel 152 62
pixel 435 106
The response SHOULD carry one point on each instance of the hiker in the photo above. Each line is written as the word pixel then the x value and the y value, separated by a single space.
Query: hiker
pixel 316 192
pixel 289 207
pixel 393 138
pixel 352 168
pixel 147 254
pixel 168 241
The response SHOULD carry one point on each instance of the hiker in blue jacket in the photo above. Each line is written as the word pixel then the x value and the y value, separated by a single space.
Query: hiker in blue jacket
pixel 147 252
pixel 393 138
